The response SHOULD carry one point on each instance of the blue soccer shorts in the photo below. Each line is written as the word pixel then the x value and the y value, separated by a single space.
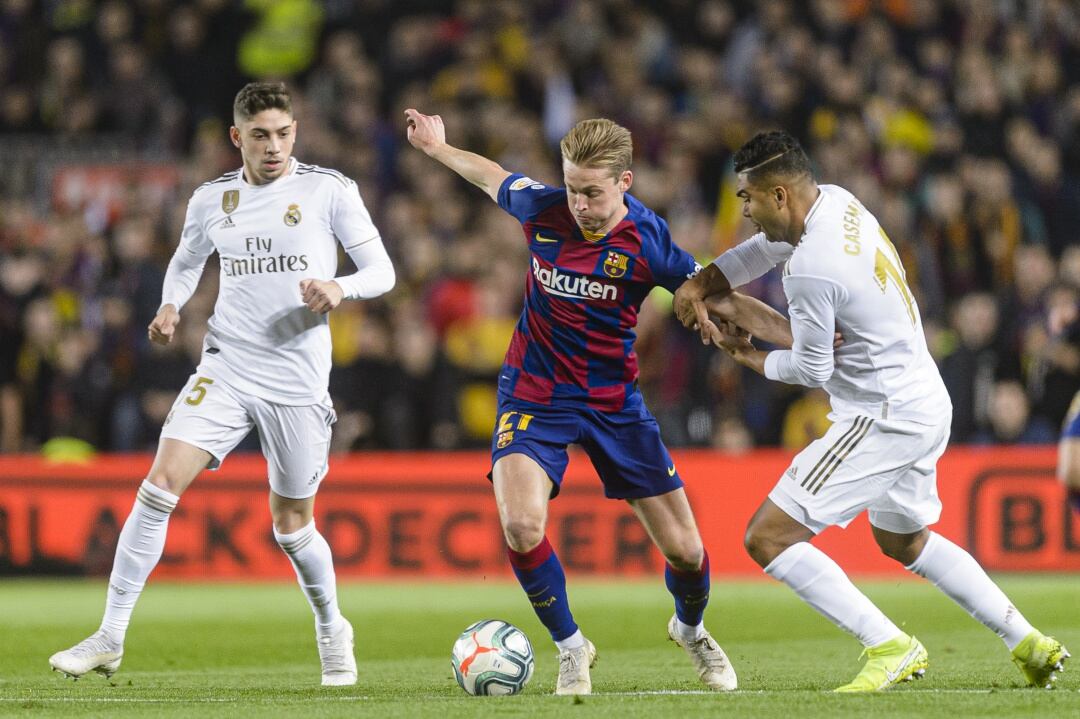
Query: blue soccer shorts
pixel 625 447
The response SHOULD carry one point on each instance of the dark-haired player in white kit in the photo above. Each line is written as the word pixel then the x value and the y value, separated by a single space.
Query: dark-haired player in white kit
pixel 275 224
pixel 890 410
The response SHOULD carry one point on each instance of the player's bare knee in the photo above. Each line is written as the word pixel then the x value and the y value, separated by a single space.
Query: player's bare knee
pixel 169 481
pixel 687 559
pixel 761 547
pixel 523 533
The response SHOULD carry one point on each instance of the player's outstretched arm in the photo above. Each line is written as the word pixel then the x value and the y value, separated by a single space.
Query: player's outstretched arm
pixel 752 315
pixel 428 134
pixel 689 304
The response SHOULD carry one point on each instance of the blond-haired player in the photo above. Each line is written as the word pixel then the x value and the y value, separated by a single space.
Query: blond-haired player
pixel 570 377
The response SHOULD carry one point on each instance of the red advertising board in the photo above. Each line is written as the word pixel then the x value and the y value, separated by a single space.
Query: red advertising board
pixel 432 514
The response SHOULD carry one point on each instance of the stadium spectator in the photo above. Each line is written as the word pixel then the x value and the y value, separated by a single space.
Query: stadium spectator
pixel 959 129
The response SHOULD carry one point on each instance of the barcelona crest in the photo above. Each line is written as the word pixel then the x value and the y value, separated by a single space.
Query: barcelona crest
pixel 230 200
pixel 504 439
pixel 292 216
pixel 615 265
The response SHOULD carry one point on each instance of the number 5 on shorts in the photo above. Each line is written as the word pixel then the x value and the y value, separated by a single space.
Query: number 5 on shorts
pixel 198 391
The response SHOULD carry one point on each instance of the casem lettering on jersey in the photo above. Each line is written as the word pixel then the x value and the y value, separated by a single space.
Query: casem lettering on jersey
pixel 562 284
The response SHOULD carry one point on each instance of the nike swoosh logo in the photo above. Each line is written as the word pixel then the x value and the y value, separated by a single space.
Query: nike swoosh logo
pixel 541 238
pixel 671 471
pixel 891 676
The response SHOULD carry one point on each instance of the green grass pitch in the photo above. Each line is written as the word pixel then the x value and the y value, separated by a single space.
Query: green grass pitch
pixel 229 650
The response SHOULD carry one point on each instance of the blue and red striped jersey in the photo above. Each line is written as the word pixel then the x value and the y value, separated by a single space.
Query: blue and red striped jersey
pixel 574 342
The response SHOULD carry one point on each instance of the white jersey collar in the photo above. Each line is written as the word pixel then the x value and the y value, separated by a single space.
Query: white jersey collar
pixel 812 214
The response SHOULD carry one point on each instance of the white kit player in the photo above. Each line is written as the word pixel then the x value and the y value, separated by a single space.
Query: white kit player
pixel 891 413
pixel 275 224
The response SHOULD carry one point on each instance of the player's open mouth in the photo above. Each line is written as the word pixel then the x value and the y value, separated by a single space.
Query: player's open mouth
pixel 273 164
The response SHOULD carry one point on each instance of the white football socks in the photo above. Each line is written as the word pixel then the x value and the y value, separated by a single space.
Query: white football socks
pixel 820 582
pixel 959 576
pixel 689 633
pixel 575 640
pixel 142 541
pixel 314 565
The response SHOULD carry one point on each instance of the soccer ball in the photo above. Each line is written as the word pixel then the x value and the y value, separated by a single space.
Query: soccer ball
pixel 492 658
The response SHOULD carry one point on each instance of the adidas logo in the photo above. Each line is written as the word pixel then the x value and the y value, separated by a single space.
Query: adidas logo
pixel 226 223
pixel 792 472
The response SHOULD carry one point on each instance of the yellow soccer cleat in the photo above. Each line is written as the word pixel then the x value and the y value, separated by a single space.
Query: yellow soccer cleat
pixel 1038 657
pixel 897 660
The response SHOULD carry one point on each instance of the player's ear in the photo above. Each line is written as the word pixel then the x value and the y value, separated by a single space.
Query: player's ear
pixel 234 135
pixel 780 195
pixel 625 180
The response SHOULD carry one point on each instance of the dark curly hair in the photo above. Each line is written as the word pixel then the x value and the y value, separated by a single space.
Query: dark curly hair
pixel 255 97
pixel 772 153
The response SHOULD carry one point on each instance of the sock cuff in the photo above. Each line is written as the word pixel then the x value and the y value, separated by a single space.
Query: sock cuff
pixel 695 574
pixel 532 558
pixel 919 565
pixel 293 542
pixel 783 563
pixel 156 498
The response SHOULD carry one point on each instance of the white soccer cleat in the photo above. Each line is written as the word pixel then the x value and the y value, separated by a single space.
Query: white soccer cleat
pixel 336 655
pixel 574 665
pixel 712 665
pixel 97 653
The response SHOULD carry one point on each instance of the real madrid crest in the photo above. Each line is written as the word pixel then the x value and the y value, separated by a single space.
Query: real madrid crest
pixel 230 200
pixel 616 264
pixel 292 215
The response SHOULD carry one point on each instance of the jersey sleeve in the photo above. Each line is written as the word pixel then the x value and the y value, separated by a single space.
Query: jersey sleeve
pixel 751 259
pixel 812 305
pixel 349 218
pixel 670 264
pixel 524 197
pixel 186 266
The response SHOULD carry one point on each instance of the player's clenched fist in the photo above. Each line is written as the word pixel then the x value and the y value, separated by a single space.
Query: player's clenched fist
pixel 164 325
pixel 425 132
pixel 320 297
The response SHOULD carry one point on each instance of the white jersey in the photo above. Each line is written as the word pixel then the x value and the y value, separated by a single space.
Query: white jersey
pixel 845 275
pixel 262 339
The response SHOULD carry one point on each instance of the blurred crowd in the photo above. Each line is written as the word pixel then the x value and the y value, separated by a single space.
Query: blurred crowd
pixel 956 122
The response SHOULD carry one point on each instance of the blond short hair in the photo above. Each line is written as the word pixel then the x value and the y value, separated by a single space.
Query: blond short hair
pixel 599 143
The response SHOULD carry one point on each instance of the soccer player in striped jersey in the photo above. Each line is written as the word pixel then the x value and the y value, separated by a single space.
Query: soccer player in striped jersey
pixel 276 225
pixel 570 376
pixel 891 413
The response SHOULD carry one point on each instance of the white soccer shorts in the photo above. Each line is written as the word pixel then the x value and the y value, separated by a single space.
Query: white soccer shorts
pixel 211 415
pixel 888 467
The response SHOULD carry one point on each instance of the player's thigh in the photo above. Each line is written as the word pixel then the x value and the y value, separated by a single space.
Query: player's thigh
pixel 910 502
pixel 206 416
pixel 1069 461
pixel 1069 447
pixel 629 455
pixel 528 445
pixel 177 464
pixel 522 488
pixel 670 523
pixel 296 443
pixel 838 476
